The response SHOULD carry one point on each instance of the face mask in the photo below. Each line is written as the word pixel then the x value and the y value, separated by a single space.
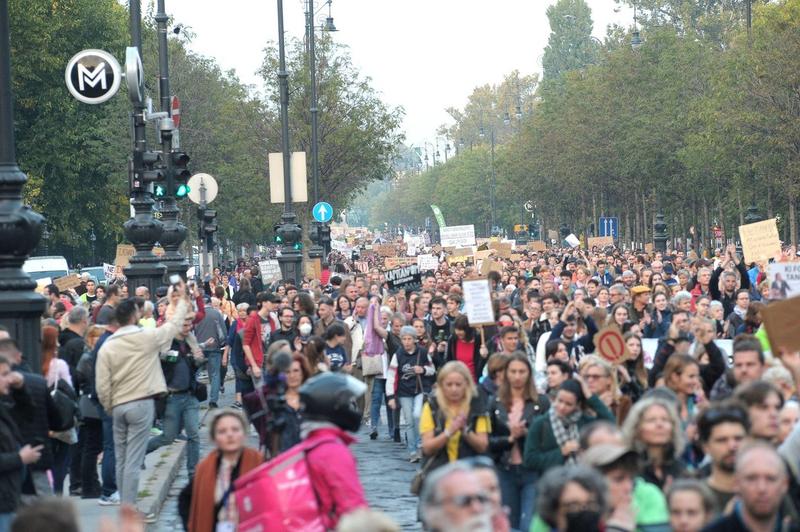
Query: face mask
pixel 583 521
pixel 305 329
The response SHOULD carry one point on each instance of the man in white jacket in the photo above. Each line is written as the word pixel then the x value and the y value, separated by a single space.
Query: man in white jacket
pixel 128 378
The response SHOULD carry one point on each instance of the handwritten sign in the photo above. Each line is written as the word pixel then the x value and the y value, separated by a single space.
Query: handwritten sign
pixel 406 277
pixel 782 321
pixel 270 271
pixel 503 249
pixel 760 240
pixel 537 245
pixel 462 252
pixel 313 268
pixel 599 241
pixel 457 235
pixel 385 250
pixel 124 254
pixel 396 262
pixel 458 259
pixel 108 271
pixel 489 265
pixel 427 262
pixel 67 282
pixel 610 345
pixel 478 302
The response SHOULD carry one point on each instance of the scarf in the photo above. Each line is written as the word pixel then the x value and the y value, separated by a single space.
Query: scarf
pixel 739 312
pixel 565 429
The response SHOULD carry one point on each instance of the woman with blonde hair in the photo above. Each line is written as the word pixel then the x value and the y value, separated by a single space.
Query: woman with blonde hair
pixel 212 493
pixel 653 429
pixel 601 378
pixel 454 422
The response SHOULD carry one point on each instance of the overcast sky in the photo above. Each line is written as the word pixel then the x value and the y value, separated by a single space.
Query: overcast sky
pixel 424 55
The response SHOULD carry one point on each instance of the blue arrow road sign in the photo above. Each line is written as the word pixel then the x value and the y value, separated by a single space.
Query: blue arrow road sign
pixel 323 212
pixel 608 226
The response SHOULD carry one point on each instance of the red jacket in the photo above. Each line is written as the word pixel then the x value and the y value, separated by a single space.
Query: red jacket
pixel 334 475
pixel 252 337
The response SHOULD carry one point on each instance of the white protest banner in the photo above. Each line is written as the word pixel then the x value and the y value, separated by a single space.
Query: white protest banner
pixel 458 236
pixel 784 280
pixel 760 240
pixel 270 271
pixel 650 347
pixel 478 302
pixel 573 241
pixel 427 262
pixel 108 271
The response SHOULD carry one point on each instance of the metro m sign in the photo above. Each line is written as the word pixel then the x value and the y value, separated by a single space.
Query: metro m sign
pixel 93 76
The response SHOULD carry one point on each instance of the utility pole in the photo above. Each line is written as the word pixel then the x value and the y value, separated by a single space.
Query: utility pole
pixel 174 231
pixel 316 250
pixel 289 231
pixel 143 230
pixel 21 307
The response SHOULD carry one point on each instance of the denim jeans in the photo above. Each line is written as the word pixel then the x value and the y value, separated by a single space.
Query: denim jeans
pixel 108 469
pixel 518 485
pixel 61 458
pixel 183 412
pixel 213 362
pixel 5 522
pixel 378 398
pixel 411 408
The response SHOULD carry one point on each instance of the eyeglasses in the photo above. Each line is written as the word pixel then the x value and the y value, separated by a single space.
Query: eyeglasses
pixel 594 376
pixel 465 501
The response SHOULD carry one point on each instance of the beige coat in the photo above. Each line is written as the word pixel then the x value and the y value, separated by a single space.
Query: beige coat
pixel 128 364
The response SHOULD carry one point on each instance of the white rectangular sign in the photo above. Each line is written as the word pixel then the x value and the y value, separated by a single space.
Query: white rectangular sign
pixel 297 167
pixel 784 280
pixel 458 236
pixel 478 302
pixel 427 262
pixel 270 271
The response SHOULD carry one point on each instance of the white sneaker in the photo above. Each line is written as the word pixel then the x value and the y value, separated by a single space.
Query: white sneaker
pixel 111 500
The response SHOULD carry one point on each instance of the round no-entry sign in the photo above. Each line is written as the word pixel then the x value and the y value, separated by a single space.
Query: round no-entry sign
pixel 176 111
pixel 610 345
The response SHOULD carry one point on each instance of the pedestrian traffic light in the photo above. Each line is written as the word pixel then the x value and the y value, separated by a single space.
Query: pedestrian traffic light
pixel 151 170
pixel 180 172
pixel 313 233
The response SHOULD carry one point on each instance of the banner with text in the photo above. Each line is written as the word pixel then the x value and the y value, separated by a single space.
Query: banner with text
pixel 458 236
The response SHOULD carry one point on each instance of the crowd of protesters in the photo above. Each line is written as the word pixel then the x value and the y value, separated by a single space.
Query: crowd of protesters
pixel 517 425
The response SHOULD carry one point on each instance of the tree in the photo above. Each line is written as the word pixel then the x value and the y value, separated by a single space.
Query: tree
pixel 570 45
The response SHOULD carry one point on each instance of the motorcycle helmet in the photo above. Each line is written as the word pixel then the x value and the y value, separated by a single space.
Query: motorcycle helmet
pixel 333 397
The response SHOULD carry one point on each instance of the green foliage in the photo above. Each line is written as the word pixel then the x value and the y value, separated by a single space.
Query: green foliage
pixel 570 45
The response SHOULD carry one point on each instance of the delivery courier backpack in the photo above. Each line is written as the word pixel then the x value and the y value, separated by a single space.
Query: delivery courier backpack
pixel 279 496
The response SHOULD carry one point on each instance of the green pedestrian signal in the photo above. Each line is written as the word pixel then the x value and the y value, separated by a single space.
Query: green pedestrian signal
pixel 159 191
pixel 182 190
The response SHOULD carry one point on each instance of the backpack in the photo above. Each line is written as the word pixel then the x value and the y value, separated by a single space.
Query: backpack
pixel 279 496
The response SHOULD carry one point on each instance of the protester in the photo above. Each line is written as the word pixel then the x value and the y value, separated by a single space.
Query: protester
pixel 452 498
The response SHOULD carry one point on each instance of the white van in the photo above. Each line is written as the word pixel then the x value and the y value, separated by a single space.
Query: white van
pixel 43 267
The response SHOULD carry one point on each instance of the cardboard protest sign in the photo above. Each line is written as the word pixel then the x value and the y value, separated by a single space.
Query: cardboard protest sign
pixel 427 263
pixel 516 257
pixel 124 254
pixel 406 277
pixel 782 322
pixel 572 240
pixel 599 241
pixel 458 259
pixel 610 345
pixel 480 255
pixel 462 252
pixel 270 271
pixel 385 250
pixel 760 240
pixel 396 262
pixel 41 284
pixel 67 282
pixel 537 245
pixel 552 234
pixel 457 235
pixel 489 265
pixel 313 268
pixel 478 302
pixel 784 280
pixel 503 249
pixel 436 249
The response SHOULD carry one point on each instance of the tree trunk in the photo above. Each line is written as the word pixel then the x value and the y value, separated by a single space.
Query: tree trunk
pixel 792 220
pixel 594 215
pixel 706 223
pixel 741 206
pixel 645 221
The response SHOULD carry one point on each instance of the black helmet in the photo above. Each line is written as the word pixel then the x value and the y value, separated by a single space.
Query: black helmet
pixel 332 397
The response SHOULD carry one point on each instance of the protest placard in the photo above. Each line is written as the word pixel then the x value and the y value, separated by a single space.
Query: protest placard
pixel 610 345
pixel 572 241
pixel 489 265
pixel 552 234
pixel 478 302
pixel 270 271
pixel 42 283
pixel 406 277
pixel 427 263
pixel 457 235
pixel 760 240
pixel 503 249
pixel 458 259
pixel 124 254
pixel 537 245
pixel 108 271
pixel 385 250
pixel 462 252
pixel 313 268
pixel 599 242
pixel 781 320
pixel 784 280
pixel 67 282
pixel 396 262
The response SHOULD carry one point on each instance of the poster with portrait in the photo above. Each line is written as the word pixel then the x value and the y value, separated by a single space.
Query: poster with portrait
pixel 783 279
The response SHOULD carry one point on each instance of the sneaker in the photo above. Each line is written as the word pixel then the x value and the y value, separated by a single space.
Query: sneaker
pixel 236 405
pixel 148 518
pixel 109 500
pixel 155 431
pixel 75 492
pixel 374 434
pixel 414 458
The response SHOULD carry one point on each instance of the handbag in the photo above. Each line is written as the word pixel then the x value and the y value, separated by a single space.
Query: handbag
pixel 371 364
pixel 200 391
pixel 419 476
pixel 66 404
pixel 88 408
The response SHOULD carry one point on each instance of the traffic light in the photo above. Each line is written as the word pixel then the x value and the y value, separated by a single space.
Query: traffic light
pixel 152 170
pixel 181 173
pixel 325 238
pixel 208 225
pixel 313 233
